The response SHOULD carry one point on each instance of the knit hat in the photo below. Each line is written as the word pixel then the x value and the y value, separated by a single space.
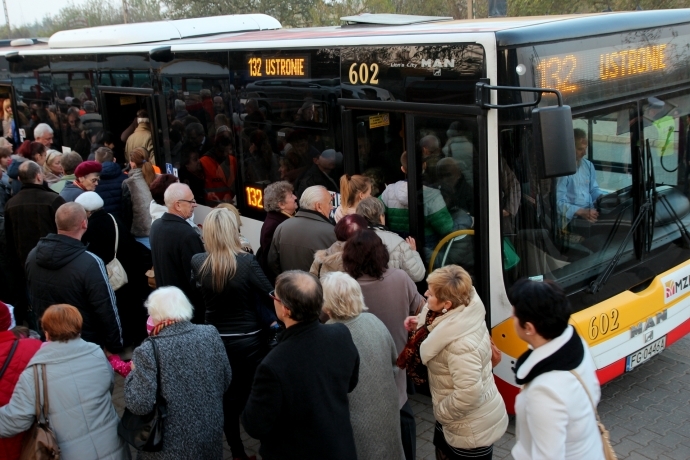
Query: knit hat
pixel 5 317
pixel 91 201
pixel 87 167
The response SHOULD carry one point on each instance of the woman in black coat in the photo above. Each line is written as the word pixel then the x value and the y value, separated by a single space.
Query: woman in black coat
pixel 232 285
pixel 134 257
pixel 280 203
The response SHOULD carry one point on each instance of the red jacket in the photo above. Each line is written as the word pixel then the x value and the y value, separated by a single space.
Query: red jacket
pixel 10 448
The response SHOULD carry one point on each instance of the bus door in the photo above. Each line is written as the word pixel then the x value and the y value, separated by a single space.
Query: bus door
pixel 424 162
pixel 119 107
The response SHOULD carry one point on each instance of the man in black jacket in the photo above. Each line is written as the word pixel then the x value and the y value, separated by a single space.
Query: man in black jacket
pixel 174 242
pixel 29 216
pixel 298 406
pixel 60 270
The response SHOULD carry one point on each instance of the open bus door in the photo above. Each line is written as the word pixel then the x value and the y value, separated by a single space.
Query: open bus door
pixel 119 107
pixel 440 184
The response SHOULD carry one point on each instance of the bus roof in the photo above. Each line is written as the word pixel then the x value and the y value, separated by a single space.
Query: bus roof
pixel 509 32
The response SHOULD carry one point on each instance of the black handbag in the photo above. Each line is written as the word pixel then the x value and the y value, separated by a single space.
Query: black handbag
pixel 145 432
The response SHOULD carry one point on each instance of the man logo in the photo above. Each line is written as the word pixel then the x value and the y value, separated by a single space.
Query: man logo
pixel 646 325
pixel 648 336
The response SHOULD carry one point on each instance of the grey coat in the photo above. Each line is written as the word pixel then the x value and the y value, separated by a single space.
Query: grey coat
pixel 195 373
pixel 374 402
pixel 80 383
pixel 296 240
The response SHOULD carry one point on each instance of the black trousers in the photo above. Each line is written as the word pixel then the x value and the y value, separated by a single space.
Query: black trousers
pixel 408 431
pixel 245 354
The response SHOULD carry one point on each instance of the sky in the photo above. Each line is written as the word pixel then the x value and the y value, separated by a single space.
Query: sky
pixel 27 11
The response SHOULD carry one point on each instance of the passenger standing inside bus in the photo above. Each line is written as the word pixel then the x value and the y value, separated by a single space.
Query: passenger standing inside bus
pixel 553 413
pixel 141 137
pixel 431 155
pixel 452 340
pixel 319 173
pixel 220 170
pixel 191 172
pixel 391 296
pixel 437 220
pixel 136 196
pixel 226 275
pixel 353 189
pixel 577 194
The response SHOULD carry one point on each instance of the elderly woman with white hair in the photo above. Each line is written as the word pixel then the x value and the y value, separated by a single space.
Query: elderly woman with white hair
pixel 194 375
pixel 108 237
pixel 374 403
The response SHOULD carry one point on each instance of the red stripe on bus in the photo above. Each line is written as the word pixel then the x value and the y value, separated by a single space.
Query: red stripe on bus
pixel 678 333
pixel 610 372
pixel 509 393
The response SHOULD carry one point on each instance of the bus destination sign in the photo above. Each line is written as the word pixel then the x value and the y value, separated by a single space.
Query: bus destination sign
pixel 595 69
pixel 564 72
pixel 279 67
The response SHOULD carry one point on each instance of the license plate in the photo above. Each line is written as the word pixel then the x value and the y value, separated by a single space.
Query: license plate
pixel 645 354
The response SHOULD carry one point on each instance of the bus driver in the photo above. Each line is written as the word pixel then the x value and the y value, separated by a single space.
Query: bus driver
pixel 578 193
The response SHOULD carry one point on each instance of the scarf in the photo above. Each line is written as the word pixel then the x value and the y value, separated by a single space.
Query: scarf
pixel 158 327
pixel 410 358
pixel 566 358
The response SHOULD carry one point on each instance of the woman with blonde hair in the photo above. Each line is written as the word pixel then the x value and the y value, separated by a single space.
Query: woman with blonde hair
pixel 244 242
pixel 374 402
pixel 53 167
pixel 136 196
pixel 353 189
pixel 230 281
pixel 452 340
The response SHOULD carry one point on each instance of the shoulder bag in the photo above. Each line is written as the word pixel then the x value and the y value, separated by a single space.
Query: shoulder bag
pixel 116 272
pixel 39 442
pixel 609 453
pixel 9 358
pixel 145 432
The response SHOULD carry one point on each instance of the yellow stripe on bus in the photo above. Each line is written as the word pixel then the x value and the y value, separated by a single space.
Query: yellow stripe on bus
pixel 627 312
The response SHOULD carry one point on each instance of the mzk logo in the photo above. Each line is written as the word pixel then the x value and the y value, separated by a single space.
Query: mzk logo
pixel 676 284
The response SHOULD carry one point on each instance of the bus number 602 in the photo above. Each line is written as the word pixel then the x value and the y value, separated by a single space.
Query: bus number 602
pixel 603 324
pixel 362 74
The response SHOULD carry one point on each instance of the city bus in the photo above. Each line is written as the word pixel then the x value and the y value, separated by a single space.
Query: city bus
pixel 469 101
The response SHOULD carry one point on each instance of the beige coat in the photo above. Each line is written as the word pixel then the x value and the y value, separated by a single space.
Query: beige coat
pixel 141 137
pixel 328 260
pixel 466 401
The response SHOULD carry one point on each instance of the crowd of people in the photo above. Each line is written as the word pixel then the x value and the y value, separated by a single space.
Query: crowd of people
pixel 312 345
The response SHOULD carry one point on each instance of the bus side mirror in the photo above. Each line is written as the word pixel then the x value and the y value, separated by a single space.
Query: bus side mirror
pixel 554 142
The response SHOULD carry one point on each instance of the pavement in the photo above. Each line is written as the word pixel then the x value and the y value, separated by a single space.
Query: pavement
pixel 647 412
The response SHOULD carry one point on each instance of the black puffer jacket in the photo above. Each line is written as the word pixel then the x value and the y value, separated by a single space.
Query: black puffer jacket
pixel 110 187
pixel 60 270
pixel 234 311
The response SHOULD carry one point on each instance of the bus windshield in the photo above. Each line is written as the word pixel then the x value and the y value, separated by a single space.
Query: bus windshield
pixel 570 228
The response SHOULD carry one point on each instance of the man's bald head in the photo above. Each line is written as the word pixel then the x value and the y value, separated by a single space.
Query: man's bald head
pixel 30 173
pixel 301 293
pixel 70 218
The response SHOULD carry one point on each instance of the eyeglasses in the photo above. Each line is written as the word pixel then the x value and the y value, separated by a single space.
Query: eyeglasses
pixel 189 201
pixel 272 295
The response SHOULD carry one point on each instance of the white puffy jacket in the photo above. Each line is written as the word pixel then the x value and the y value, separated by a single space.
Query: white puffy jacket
pixel 401 255
pixel 457 352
